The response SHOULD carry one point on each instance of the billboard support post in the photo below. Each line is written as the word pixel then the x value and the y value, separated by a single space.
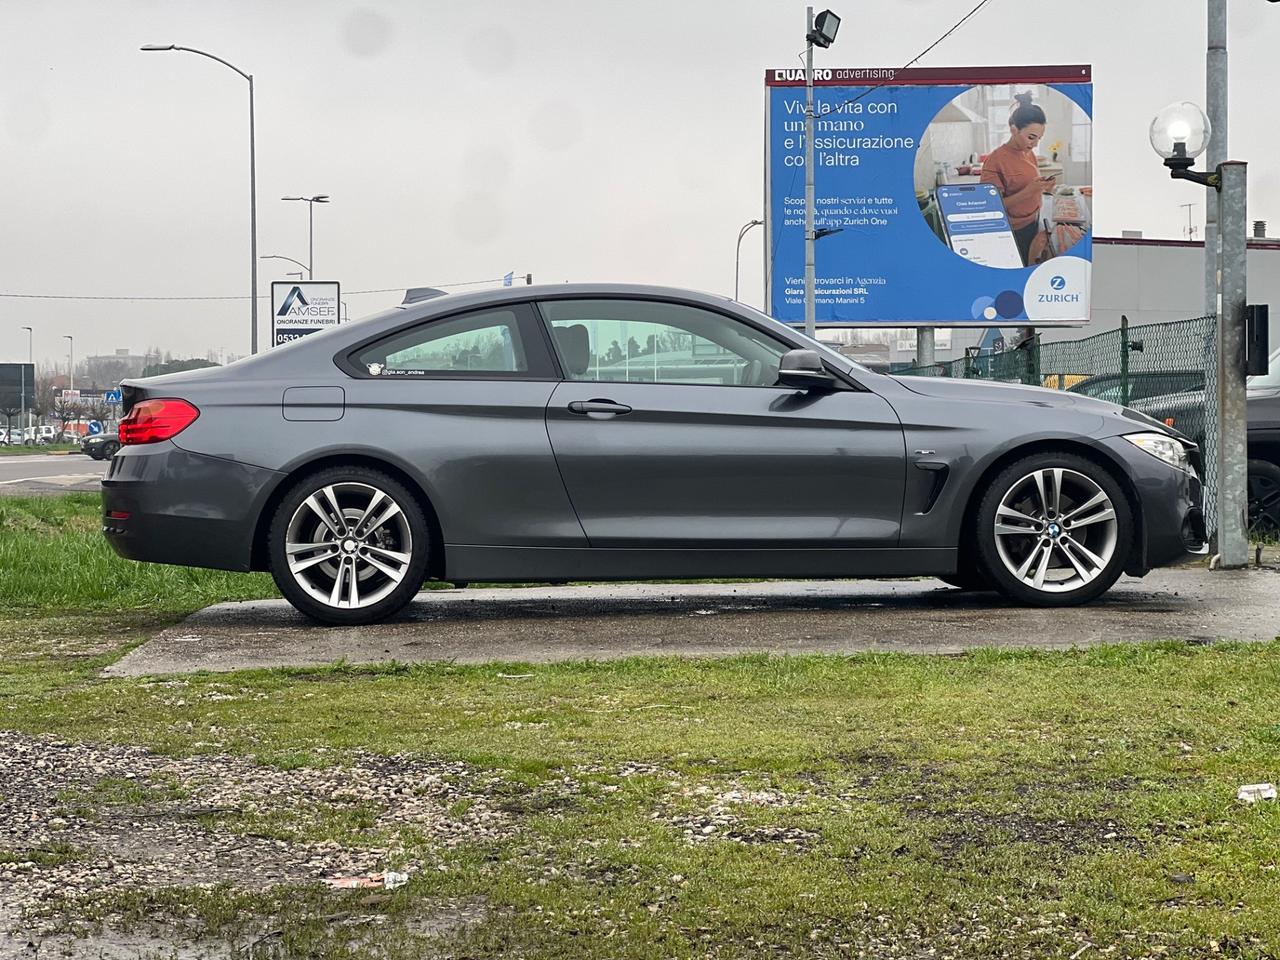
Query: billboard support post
pixel 810 269
pixel 1233 535
pixel 925 341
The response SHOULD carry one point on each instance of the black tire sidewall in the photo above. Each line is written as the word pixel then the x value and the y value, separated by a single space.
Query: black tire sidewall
pixel 389 605
pixel 1266 468
pixel 983 530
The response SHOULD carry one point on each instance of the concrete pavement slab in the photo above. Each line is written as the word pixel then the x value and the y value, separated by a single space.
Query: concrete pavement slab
pixel 608 621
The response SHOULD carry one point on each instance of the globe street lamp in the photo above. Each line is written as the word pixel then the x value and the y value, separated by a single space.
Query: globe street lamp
pixel 311 229
pixel 1179 133
pixel 253 185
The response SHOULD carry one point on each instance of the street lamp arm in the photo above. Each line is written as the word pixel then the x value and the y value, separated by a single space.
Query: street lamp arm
pixel 278 256
pixel 211 56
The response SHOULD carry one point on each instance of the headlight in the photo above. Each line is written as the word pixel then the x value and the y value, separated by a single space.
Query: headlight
pixel 1162 447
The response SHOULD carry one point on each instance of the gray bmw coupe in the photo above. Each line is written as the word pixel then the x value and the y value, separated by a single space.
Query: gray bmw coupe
pixel 598 432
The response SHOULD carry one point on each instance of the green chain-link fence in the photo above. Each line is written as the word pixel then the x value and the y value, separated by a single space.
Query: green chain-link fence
pixel 1162 369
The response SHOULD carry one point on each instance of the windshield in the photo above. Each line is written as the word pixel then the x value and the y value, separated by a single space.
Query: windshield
pixel 1269 380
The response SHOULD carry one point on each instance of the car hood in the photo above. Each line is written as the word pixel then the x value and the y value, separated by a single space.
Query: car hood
pixel 993 391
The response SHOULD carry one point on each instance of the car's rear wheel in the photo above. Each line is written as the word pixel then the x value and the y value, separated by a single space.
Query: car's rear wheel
pixel 1053 529
pixel 1264 500
pixel 109 450
pixel 349 545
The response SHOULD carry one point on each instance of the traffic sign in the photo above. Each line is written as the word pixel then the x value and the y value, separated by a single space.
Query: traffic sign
pixel 113 396
pixel 95 427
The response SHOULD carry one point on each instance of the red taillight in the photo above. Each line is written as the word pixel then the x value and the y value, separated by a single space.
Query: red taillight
pixel 154 420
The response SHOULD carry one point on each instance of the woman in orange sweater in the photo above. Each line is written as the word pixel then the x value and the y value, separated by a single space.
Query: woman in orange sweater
pixel 1011 168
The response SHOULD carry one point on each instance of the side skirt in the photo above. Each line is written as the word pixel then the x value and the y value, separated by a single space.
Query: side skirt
pixel 470 562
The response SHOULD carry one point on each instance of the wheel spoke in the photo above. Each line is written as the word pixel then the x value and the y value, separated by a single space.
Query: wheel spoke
pixel 1089 504
pixel 1008 530
pixel 400 558
pixel 1085 575
pixel 297 566
pixel 353 593
pixel 335 597
pixel 1057 491
pixel 1099 517
pixel 1038 582
pixel 1021 572
pixel 377 498
pixel 388 571
pixel 1004 510
pixel 387 514
pixel 314 503
pixel 1044 497
pixel 1088 554
pixel 339 519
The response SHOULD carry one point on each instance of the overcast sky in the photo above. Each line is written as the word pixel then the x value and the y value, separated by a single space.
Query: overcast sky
pixel 572 140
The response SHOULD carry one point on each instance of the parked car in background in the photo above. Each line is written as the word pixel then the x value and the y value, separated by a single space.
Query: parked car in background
pixel 42 434
pixel 1141 385
pixel 621 432
pixel 1185 411
pixel 101 446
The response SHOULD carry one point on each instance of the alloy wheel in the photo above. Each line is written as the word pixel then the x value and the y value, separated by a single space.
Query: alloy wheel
pixel 1056 530
pixel 348 545
pixel 1264 506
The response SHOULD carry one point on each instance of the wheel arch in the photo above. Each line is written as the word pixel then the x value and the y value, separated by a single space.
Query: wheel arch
pixel 1135 563
pixel 259 555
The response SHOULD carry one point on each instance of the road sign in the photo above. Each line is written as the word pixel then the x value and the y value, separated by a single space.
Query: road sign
pixel 95 427
pixel 113 396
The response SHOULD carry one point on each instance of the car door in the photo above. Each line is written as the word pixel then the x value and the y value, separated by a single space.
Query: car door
pixel 669 431
pixel 461 399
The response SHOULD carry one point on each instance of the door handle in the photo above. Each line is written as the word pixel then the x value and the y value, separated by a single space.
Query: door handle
pixel 590 408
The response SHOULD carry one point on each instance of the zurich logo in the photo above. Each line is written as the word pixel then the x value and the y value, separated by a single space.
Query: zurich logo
pixel 1058 282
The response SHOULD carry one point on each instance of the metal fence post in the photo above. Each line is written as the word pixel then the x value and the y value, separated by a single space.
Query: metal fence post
pixel 1124 360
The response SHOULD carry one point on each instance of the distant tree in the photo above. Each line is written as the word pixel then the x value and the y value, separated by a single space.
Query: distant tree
pixel 65 411
pixel 9 413
pixel 158 367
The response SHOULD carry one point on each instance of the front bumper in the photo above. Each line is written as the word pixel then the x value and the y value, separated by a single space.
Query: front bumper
pixel 163 504
pixel 1170 508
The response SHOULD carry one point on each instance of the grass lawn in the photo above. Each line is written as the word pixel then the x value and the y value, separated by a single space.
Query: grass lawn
pixel 26 450
pixel 993 805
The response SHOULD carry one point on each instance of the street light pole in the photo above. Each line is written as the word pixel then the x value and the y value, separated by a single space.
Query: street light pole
pixel 31 362
pixel 737 259
pixel 253 185
pixel 71 361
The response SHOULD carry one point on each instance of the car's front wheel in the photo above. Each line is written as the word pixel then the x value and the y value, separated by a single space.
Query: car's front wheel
pixel 1053 529
pixel 1264 500
pixel 349 546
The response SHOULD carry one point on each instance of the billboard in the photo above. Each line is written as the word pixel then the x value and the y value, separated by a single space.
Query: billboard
pixel 17 383
pixel 301 308
pixel 955 196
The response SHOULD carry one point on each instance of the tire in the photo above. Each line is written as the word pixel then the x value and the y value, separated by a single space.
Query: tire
pixel 1035 521
pixel 109 450
pixel 1264 500
pixel 341 521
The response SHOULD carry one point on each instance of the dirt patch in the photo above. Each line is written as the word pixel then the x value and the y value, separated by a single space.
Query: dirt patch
pixel 78 821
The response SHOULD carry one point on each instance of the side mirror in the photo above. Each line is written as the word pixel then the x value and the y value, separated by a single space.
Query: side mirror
pixel 803 370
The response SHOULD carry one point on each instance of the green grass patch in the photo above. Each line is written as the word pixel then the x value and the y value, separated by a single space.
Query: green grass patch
pixel 17 450
pixel 53 557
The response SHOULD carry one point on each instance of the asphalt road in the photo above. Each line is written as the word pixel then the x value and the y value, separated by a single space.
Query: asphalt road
pixel 540 625
pixel 50 473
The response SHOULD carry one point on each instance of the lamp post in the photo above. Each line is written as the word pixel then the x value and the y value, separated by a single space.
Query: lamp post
pixel 71 360
pixel 311 229
pixel 31 362
pixel 820 30
pixel 253 186
pixel 737 259
pixel 1180 133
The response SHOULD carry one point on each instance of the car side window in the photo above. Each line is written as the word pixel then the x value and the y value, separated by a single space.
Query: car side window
pixel 653 341
pixel 484 343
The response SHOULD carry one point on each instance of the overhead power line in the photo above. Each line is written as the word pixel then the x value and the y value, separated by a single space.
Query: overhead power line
pixel 261 296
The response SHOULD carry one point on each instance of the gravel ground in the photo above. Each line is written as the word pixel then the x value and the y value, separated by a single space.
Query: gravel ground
pixel 51 807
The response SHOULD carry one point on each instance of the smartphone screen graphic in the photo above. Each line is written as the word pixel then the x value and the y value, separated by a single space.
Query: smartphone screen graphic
pixel 977 226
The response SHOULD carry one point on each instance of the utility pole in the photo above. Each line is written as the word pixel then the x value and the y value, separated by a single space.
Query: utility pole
pixel 1233 457
pixel 31 362
pixel 810 276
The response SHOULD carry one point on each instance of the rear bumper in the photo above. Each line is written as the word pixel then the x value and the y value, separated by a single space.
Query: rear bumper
pixel 1171 509
pixel 162 504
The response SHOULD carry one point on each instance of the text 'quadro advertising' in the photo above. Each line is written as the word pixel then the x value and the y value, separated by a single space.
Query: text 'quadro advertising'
pixel 298 309
pixel 945 196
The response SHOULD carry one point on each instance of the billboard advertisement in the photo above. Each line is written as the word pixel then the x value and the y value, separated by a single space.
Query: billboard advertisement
pixel 17 385
pixel 954 196
pixel 301 308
